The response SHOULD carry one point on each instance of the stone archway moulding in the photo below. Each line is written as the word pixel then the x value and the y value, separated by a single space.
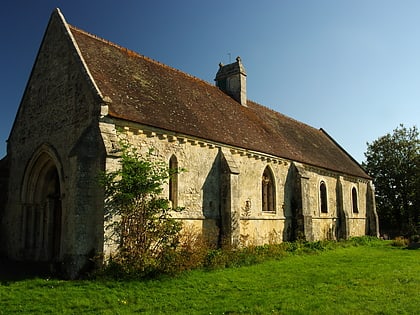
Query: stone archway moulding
pixel 41 160
pixel 42 213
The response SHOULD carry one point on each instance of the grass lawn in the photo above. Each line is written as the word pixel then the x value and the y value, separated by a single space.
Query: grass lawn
pixel 377 279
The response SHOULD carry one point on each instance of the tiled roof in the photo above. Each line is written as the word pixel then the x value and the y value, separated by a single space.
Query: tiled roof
pixel 147 92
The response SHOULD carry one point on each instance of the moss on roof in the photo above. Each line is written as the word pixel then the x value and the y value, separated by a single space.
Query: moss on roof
pixel 148 92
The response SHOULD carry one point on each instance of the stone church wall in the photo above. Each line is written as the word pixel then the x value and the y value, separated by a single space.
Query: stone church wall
pixel 63 137
pixel 200 188
pixel 57 117
pixel 257 226
pixel 323 223
pixel 357 220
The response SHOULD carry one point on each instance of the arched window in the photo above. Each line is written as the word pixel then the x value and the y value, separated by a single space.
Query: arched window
pixel 323 197
pixel 173 181
pixel 268 190
pixel 354 200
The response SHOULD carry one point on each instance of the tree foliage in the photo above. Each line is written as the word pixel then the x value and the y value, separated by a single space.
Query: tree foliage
pixel 393 162
pixel 137 218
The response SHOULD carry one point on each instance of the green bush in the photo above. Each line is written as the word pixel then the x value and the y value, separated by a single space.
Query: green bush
pixel 137 219
pixel 400 241
pixel 415 239
pixel 364 240
pixel 194 253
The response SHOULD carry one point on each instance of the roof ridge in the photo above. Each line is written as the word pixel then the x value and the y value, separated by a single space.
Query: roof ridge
pixel 137 54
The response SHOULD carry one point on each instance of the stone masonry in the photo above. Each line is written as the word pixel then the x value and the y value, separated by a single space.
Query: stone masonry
pixel 253 176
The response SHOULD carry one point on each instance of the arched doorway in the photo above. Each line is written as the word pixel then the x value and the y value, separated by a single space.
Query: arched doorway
pixel 42 209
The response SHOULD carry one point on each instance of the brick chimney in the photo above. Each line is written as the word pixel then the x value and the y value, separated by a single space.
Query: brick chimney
pixel 231 79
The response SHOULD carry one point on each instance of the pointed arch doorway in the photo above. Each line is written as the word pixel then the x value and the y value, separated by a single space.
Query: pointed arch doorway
pixel 42 208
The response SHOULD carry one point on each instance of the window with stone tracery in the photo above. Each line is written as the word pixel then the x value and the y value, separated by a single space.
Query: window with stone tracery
pixel 268 191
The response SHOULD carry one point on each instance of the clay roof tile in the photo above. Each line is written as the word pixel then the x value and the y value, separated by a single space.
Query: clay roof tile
pixel 151 93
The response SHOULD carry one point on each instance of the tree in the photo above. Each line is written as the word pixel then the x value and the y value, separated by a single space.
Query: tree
pixel 393 162
pixel 137 218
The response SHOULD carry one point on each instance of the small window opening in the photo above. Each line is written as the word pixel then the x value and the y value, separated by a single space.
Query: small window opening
pixel 354 200
pixel 323 197
pixel 173 181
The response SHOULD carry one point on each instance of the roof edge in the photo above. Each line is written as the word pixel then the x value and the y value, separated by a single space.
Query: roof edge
pixel 55 12
pixel 345 152
pixel 250 150
pixel 136 54
pixel 79 53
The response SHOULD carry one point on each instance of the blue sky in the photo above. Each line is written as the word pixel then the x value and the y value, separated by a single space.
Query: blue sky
pixel 349 67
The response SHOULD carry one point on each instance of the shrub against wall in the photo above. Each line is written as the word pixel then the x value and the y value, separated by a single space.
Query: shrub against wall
pixel 137 218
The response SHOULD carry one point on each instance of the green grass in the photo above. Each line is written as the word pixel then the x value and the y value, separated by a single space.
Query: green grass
pixel 365 279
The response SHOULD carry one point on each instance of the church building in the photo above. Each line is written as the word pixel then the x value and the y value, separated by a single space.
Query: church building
pixel 253 175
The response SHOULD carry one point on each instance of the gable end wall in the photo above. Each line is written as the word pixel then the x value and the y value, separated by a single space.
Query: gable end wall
pixel 61 110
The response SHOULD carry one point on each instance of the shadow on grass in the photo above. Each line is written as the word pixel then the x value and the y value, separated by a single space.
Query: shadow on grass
pixel 414 245
pixel 17 270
